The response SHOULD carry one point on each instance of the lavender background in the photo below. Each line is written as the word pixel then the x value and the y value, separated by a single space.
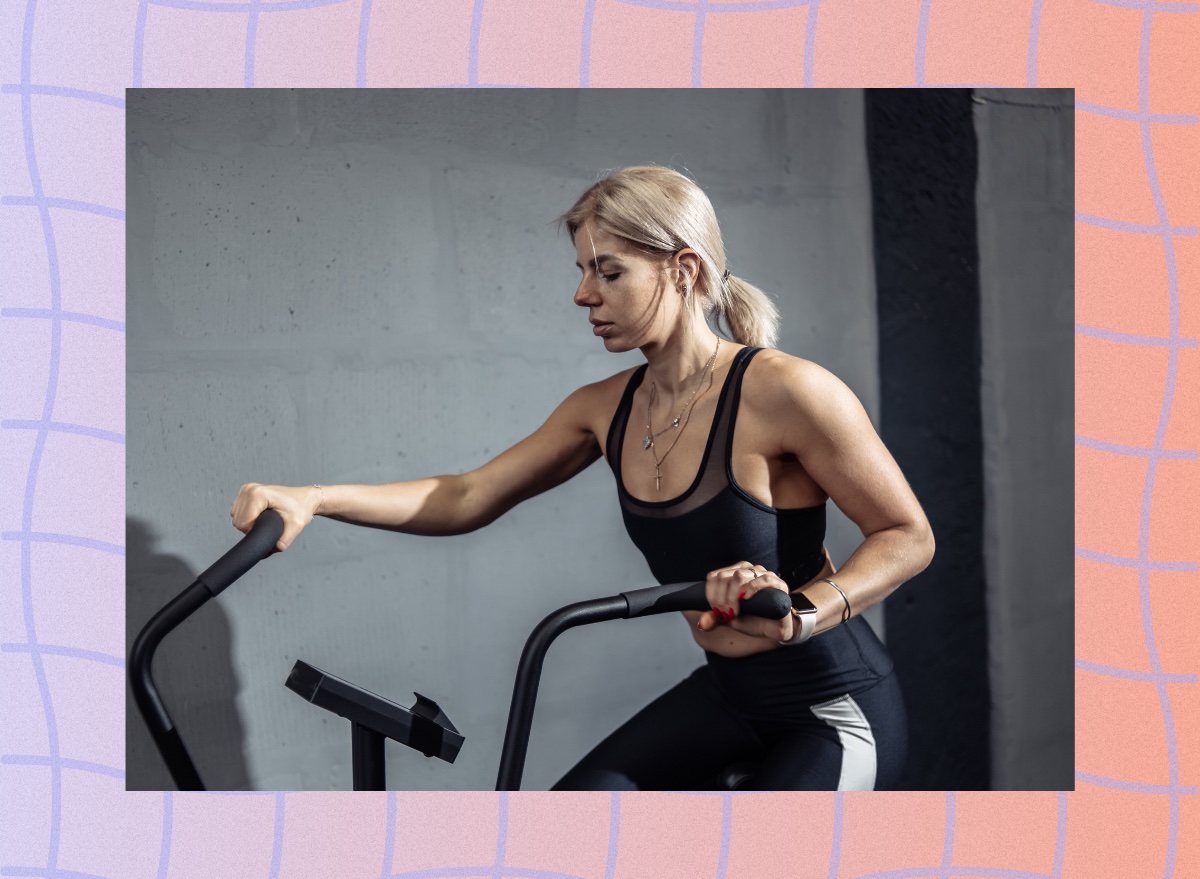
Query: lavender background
pixel 63 811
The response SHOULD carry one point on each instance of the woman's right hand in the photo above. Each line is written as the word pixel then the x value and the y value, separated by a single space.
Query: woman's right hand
pixel 296 506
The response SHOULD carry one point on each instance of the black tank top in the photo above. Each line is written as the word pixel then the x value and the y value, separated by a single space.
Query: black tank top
pixel 716 523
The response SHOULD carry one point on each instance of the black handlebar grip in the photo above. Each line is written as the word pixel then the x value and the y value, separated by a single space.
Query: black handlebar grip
pixel 247 553
pixel 773 604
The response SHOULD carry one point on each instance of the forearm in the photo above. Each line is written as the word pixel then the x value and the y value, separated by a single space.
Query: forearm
pixel 435 506
pixel 881 563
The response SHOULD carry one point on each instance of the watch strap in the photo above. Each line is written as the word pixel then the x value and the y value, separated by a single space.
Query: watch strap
pixel 804 622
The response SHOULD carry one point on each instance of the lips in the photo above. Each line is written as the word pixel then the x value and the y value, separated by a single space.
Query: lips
pixel 600 327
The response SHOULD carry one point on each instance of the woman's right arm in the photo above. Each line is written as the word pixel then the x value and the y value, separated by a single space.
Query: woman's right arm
pixel 441 505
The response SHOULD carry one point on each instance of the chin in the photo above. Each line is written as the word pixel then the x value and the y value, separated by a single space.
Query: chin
pixel 616 346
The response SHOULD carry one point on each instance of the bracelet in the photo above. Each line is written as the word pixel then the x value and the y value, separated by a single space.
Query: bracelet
pixel 320 503
pixel 849 612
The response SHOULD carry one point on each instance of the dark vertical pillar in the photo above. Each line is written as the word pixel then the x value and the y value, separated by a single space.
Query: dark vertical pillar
pixel 922 154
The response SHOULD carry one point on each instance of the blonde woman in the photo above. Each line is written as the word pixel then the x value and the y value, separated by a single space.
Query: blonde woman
pixel 725 453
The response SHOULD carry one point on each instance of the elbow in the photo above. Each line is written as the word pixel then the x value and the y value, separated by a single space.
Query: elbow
pixel 471 523
pixel 926 545
pixel 470 515
pixel 477 505
pixel 447 509
pixel 916 555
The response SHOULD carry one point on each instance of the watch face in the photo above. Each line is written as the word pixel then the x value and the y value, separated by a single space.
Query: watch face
pixel 801 603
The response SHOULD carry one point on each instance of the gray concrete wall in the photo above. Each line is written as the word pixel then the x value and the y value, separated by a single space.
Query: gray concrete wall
pixel 1025 199
pixel 364 287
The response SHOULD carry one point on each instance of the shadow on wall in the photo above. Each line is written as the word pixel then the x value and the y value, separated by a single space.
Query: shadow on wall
pixel 193 669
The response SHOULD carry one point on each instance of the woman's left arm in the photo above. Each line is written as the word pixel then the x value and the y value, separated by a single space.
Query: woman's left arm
pixel 826 428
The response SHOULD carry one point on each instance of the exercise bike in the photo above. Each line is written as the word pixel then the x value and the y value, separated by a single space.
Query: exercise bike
pixel 423 726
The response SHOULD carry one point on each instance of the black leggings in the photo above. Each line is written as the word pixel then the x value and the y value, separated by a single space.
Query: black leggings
pixel 686 737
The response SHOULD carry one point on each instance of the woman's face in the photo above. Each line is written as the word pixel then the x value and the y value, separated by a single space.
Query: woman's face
pixel 630 295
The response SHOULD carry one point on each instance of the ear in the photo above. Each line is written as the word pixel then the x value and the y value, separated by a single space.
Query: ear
pixel 687 264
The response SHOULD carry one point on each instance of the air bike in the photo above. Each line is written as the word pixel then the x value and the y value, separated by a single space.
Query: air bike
pixel 423 727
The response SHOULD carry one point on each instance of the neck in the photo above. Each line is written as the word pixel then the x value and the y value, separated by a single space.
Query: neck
pixel 675 364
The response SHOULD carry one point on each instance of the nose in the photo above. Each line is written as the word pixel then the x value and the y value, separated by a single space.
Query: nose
pixel 585 294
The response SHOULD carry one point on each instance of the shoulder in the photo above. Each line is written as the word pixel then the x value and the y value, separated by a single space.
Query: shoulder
pixel 785 379
pixel 615 383
pixel 803 395
pixel 593 405
pixel 604 390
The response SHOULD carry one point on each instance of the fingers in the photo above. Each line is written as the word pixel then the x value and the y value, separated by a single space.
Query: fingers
pixel 247 498
pixel 247 507
pixel 726 587
pixel 708 621
pixel 254 498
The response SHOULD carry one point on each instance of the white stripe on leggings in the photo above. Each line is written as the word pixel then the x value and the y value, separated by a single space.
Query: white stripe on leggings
pixel 858 743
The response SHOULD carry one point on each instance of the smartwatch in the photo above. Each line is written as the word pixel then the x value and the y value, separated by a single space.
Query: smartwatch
pixel 804 618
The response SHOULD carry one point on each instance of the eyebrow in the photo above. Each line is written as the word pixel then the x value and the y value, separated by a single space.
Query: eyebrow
pixel 604 257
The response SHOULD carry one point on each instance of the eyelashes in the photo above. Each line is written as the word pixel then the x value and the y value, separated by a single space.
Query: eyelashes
pixel 606 277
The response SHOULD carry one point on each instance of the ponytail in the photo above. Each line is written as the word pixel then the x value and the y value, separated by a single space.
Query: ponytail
pixel 748 312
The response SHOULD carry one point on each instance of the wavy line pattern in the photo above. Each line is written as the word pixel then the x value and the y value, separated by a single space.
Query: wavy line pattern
pixel 27 656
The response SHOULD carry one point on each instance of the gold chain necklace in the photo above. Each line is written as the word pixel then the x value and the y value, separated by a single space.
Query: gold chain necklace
pixel 685 415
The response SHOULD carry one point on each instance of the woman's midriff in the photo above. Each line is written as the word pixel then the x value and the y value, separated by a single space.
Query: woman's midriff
pixel 732 644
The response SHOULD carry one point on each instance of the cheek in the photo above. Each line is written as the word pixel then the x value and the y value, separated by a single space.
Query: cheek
pixel 642 286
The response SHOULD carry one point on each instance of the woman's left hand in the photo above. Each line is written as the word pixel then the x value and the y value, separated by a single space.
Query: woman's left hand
pixel 727 587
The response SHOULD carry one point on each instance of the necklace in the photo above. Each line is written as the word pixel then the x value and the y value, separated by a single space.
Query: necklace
pixel 685 415
pixel 651 437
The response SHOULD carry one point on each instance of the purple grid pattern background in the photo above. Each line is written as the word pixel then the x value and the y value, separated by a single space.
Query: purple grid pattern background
pixel 17 322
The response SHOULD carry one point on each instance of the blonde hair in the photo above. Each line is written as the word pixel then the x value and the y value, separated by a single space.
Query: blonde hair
pixel 663 211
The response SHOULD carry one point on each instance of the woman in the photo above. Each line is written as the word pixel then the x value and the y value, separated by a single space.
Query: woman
pixel 724 455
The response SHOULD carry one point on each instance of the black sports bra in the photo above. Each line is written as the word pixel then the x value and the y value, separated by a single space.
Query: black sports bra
pixel 715 522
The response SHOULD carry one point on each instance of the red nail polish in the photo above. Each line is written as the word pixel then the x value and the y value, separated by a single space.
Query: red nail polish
pixel 742 595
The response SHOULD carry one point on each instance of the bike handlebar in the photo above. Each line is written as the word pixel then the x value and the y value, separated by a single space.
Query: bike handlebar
pixel 248 552
pixel 773 604
pixel 770 603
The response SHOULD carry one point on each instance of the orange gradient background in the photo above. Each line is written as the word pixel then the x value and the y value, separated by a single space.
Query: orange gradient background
pixel 1132 63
